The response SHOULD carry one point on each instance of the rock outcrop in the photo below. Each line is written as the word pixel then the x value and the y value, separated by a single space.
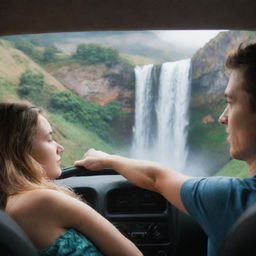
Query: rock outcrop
pixel 209 76
pixel 209 80
pixel 98 83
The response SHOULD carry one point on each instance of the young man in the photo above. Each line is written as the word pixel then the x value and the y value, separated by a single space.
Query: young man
pixel 214 202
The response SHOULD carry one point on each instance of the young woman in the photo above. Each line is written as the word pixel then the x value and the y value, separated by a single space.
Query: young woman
pixel 54 218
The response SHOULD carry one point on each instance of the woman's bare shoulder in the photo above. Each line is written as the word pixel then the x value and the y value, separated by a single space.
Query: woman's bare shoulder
pixel 36 201
pixel 45 195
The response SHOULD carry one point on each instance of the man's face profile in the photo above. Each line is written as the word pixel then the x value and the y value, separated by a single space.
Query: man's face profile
pixel 239 119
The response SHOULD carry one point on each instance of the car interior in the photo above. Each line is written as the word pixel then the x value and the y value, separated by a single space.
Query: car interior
pixel 145 217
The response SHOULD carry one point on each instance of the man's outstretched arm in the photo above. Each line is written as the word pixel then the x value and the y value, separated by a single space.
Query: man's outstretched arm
pixel 145 174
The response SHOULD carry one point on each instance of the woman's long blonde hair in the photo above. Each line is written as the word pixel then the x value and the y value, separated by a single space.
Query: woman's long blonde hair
pixel 19 171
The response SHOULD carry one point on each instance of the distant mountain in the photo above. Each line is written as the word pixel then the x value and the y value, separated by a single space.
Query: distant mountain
pixel 143 43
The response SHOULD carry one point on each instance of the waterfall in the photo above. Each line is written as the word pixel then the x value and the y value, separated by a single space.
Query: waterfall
pixel 143 105
pixel 161 114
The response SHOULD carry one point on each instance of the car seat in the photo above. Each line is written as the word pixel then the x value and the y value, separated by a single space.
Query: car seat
pixel 13 240
pixel 241 240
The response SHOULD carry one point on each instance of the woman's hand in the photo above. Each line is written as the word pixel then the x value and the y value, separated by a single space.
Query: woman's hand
pixel 94 160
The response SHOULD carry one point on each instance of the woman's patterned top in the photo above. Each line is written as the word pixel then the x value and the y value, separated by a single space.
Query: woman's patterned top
pixel 71 243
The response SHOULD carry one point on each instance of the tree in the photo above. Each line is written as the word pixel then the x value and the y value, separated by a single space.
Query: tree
pixel 49 54
pixel 94 54
pixel 31 84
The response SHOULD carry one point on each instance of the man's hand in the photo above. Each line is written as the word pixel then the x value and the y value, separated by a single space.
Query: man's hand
pixel 93 160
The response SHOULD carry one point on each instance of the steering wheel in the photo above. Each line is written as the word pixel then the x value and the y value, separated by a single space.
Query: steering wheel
pixel 81 171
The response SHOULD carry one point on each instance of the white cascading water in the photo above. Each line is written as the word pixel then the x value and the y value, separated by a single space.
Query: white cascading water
pixel 142 115
pixel 171 111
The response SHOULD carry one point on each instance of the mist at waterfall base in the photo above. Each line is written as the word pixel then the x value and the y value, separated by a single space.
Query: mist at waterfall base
pixel 162 118
pixel 161 113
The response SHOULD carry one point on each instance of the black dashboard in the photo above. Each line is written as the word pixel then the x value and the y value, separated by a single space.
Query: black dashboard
pixel 145 217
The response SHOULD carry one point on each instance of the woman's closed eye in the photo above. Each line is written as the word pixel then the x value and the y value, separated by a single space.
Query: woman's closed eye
pixel 228 102
pixel 50 138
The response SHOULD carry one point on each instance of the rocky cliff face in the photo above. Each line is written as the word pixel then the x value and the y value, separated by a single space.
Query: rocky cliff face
pixel 98 83
pixel 209 76
pixel 209 80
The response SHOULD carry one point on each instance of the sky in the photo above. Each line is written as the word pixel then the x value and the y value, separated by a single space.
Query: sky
pixel 192 38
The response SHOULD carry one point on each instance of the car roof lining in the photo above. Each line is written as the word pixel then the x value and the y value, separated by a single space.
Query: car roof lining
pixel 33 16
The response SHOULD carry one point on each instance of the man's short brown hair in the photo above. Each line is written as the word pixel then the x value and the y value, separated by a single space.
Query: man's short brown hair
pixel 245 58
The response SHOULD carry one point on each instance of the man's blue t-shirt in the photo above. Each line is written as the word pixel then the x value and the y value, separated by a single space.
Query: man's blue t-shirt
pixel 216 203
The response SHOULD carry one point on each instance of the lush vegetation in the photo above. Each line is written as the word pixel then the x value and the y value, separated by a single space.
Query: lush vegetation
pixel 92 54
pixel 42 53
pixel 7 90
pixel 75 139
pixel 31 84
pixel 96 118
pixel 234 168
pixel 210 135
pixel 73 136
pixel 101 120
pixel 107 121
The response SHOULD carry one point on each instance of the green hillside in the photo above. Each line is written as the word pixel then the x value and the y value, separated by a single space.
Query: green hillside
pixel 75 138
pixel 234 168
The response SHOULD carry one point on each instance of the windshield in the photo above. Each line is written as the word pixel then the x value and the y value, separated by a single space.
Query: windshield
pixel 153 95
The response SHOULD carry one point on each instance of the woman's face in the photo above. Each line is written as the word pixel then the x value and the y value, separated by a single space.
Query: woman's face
pixel 45 150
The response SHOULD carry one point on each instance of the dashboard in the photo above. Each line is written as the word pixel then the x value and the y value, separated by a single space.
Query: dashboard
pixel 143 216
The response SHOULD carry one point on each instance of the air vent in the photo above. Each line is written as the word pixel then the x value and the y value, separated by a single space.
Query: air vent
pixel 134 201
